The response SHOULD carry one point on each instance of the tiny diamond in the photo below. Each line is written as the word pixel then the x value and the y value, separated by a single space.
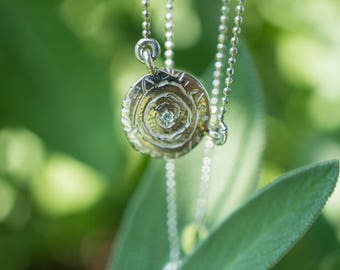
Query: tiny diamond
pixel 168 118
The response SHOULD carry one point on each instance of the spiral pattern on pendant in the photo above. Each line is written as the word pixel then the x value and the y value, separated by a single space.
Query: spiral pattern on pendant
pixel 165 114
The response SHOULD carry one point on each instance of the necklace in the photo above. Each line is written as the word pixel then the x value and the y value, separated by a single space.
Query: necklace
pixel 167 112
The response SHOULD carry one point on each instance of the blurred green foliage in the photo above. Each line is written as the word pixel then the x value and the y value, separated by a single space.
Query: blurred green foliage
pixel 66 172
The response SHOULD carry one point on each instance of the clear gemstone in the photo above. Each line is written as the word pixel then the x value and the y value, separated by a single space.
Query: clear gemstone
pixel 167 117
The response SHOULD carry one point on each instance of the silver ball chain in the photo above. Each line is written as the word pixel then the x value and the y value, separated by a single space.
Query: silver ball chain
pixel 173 235
pixel 214 120
pixel 218 120
pixel 146 33
pixel 217 114
pixel 169 36
pixel 236 31
pixel 219 57
pixel 203 191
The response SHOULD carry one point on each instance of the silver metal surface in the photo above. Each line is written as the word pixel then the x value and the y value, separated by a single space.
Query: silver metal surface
pixel 173 236
pixel 219 135
pixel 234 40
pixel 165 114
pixel 146 33
pixel 150 45
pixel 169 36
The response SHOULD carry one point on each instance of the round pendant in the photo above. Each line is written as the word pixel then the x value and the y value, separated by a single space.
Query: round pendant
pixel 165 114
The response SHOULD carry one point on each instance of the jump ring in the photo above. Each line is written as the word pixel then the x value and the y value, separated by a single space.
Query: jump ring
pixel 219 134
pixel 149 44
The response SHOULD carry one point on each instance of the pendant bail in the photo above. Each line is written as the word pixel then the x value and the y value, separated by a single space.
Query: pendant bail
pixel 147 50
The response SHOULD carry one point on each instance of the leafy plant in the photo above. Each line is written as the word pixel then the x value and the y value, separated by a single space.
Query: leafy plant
pixel 258 233
pixel 53 86
pixel 255 236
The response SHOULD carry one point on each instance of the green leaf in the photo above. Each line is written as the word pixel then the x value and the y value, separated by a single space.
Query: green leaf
pixel 143 239
pixel 268 225
pixel 318 246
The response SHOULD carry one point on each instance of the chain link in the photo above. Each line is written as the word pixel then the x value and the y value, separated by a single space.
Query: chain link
pixel 220 55
pixel 202 197
pixel 173 237
pixel 146 33
pixel 217 75
pixel 169 36
pixel 236 30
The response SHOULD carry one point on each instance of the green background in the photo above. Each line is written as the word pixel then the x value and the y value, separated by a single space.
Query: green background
pixel 67 172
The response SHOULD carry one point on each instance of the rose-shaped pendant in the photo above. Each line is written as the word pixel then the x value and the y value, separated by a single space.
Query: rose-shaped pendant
pixel 165 114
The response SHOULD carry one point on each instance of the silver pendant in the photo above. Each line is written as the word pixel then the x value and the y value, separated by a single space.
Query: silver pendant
pixel 165 114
